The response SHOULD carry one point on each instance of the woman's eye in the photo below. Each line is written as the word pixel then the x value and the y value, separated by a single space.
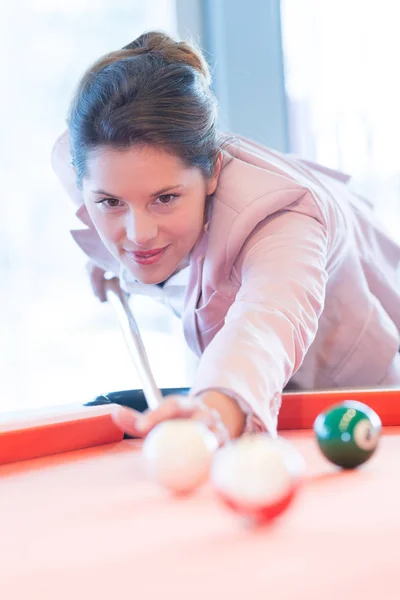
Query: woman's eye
pixel 167 198
pixel 110 202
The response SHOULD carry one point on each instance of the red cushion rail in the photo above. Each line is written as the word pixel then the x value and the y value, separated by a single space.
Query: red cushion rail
pixel 32 436
pixel 299 409
pixel 75 428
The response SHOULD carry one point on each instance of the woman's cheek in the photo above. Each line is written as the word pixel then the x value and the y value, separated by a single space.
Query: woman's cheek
pixel 112 235
pixel 188 223
pixel 110 231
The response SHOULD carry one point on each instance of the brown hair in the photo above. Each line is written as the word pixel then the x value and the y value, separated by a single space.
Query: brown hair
pixel 155 91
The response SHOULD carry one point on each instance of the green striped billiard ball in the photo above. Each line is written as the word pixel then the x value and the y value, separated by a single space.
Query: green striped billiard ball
pixel 348 433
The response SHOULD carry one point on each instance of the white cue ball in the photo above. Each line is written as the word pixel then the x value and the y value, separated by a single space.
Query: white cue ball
pixel 178 454
pixel 257 476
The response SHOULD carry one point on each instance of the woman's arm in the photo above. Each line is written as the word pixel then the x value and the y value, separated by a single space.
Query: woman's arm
pixel 274 319
pixel 266 334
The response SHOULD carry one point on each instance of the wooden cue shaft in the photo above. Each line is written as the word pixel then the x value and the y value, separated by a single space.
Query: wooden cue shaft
pixel 133 339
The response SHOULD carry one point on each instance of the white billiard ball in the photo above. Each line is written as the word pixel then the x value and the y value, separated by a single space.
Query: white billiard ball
pixel 178 454
pixel 257 476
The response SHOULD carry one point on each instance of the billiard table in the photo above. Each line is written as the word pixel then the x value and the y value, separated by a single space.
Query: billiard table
pixel 79 520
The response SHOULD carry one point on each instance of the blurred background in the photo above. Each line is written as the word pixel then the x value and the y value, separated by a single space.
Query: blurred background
pixel 314 78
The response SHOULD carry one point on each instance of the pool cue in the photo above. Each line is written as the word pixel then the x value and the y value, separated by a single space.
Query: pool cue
pixel 119 300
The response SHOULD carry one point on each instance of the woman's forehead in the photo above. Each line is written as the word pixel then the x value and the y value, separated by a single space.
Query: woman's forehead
pixel 141 168
pixel 136 157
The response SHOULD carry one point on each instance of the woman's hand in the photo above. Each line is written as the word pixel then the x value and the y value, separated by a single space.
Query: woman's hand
pixel 97 281
pixel 220 413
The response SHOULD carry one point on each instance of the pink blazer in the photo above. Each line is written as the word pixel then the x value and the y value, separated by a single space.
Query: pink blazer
pixel 292 281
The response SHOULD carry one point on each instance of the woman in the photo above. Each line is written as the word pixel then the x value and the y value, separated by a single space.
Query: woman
pixel 290 278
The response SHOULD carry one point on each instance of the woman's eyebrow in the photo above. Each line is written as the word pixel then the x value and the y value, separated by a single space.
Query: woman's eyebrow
pixel 166 189
pixel 104 193
pixel 154 194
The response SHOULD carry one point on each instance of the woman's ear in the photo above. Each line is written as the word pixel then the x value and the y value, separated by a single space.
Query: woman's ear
pixel 213 180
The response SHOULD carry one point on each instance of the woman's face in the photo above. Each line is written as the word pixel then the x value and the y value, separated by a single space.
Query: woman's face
pixel 147 206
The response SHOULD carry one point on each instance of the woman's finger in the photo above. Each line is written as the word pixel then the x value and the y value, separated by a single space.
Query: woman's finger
pixel 97 281
pixel 126 419
pixel 173 407
pixel 138 424
pixel 184 407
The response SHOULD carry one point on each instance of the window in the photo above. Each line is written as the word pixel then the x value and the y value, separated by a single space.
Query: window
pixel 59 345
pixel 341 81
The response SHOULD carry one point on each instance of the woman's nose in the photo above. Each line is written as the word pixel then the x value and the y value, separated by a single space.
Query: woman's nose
pixel 141 229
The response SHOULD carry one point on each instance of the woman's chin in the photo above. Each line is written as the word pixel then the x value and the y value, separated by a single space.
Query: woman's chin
pixel 153 275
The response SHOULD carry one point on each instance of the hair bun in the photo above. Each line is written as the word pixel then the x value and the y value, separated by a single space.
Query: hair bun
pixel 173 51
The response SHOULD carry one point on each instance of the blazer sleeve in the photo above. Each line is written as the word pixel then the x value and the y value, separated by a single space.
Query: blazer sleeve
pixel 274 318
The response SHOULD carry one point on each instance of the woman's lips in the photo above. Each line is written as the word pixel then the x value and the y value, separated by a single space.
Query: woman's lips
pixel 149 257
